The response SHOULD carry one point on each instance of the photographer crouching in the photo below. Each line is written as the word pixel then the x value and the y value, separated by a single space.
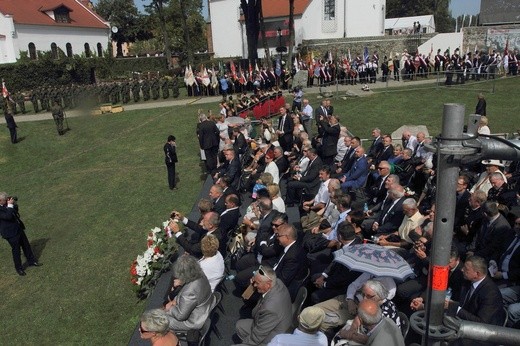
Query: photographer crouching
pixel 12 230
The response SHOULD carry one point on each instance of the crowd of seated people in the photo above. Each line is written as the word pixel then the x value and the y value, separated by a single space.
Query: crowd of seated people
pixel 346 195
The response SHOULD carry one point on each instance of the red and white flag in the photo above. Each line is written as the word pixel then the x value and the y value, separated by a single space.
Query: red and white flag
pixel 5 93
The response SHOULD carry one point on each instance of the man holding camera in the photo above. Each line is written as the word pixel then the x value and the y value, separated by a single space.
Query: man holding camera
pixel 12 230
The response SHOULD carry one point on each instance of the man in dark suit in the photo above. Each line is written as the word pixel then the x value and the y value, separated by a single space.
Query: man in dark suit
pixel 471 222
pixel 281 160
pixel 291 265
pixel 321 112
pixel 329 142
pixel 462 199
pixel 495 234
pixel 9 120
pixel 392 214
pixel 478 299
pixel 209 225
pixel 285 130
pixel 231 167
pixel 376 192
pixel 240 143
pixel 336 278
pixel 377 143
pixel 509 271
pixel 272 314
pixel 385 152
pixel 508 266
pixel 229 217
pixel 12 229
pixel 349 158
pixel 217 197
pixel 308 181
pixel 209 139
pixel 170 158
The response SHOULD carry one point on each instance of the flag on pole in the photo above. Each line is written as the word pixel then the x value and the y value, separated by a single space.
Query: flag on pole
pixel 365 55
pixel 233 69
pixel 5 93
pixel 296 67
pixel 506 49
pixel 250 77
pixel 349 57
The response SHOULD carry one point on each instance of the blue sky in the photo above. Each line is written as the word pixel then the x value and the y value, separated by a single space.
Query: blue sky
pixel 458 7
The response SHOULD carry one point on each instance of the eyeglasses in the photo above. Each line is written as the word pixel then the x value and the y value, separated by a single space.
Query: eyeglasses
pixel 276 225
pixel 143 330
pixel 263 273
pixel 382 168
pixel 517 223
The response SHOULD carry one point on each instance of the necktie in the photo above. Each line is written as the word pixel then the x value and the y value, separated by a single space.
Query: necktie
pixel 468 296
pixel 510 249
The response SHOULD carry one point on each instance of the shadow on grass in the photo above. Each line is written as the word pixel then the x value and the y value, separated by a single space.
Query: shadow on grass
pixel 38 246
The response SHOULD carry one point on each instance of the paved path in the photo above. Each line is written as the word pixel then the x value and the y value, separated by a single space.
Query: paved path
pixel 339 90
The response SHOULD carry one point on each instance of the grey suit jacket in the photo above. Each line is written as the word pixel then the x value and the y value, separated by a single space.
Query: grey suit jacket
pixel 385 334
pixel 272 315
pixel 194 303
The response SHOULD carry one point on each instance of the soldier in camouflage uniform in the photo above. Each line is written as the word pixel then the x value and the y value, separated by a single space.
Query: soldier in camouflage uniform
pixel 20 101
pixel 125 92
pixel 145 87
pixel 175 87
pixel 34 100
pixel 155 88
pixel 136 90
pixel 165 88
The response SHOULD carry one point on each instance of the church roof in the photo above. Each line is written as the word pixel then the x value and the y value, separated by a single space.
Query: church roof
pixel 34 12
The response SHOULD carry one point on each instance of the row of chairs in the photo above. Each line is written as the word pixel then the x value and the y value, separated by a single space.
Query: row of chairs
pixel 265 108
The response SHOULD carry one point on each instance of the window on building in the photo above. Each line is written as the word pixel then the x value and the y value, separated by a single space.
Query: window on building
pixel 61 15
pixel 54 50
pixel 99 50
pixel 329 9
pixel 69 50
pixel 87 50
pixel 32 51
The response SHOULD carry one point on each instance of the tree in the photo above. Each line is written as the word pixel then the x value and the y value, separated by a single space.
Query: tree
pixel 409 8
pixel 123 15
pixel 157 6
pixel 183 26
pixel 251 10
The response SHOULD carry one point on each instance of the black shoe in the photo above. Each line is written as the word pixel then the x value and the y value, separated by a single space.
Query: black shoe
pixel 20 272
pixel 35 264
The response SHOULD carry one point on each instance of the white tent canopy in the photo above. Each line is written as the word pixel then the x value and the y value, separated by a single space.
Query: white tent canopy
pixel 405 24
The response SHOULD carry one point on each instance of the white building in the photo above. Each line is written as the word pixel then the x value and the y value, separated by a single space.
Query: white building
pixel 40 25
pixel 313 19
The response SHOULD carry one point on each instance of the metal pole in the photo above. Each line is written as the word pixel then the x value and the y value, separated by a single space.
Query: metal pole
pixel 448 147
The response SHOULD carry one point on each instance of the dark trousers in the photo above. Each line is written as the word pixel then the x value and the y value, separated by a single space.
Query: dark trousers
pixel 211 159
pixel 171 175
pixel 14 136
pixel 18 242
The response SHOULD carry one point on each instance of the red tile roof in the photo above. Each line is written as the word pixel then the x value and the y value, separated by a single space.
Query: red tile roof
pixel 278 8
pixel 33 12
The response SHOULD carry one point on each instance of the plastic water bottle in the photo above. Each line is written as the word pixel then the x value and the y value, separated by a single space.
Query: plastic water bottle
pixel 448 294
pixel 365 208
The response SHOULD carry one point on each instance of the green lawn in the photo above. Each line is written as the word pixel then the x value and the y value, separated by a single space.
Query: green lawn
pixel 88 199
